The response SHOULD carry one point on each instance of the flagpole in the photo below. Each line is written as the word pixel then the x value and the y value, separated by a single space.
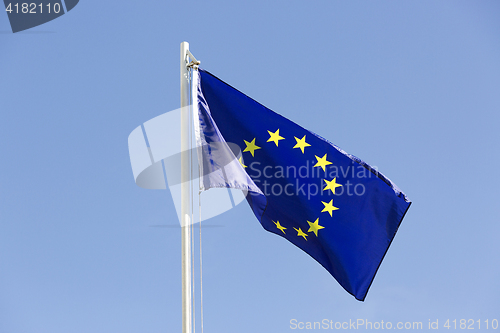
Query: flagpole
pixel 185 223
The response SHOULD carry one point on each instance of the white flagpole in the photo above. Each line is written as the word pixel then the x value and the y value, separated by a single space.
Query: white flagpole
pixel 185 223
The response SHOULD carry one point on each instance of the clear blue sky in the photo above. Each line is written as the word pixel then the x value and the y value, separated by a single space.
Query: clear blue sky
pixel 411 87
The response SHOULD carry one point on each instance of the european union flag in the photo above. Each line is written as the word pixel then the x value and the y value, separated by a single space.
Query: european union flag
pixel 335 207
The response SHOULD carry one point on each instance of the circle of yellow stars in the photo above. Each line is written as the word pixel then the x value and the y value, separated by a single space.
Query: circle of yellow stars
pixel 321 162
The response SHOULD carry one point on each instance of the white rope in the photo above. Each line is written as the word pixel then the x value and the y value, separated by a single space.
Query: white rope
pixel 201 268
pixel 195 100
pixel 192 259
pixel 192 277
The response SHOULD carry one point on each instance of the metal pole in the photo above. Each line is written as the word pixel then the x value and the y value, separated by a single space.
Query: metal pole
pixel 185 223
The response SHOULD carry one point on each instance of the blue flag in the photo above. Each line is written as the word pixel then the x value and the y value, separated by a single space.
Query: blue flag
pixel 332 205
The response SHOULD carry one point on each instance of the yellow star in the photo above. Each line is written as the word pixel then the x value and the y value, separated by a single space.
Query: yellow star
pixel 251 146
pixel 314 227
pixel 331 185
pixel 241 162
pixel 322 162
pixel 301 143
pixel 279 226
pixel 301 233
pixel 275 137
pixel 329 207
